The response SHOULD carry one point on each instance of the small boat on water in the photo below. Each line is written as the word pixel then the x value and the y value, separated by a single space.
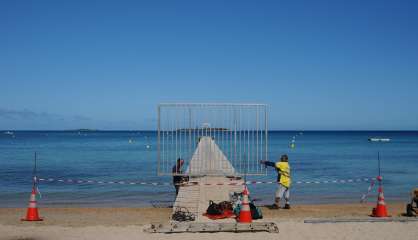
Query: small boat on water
pixel 376 139
pixel 9 133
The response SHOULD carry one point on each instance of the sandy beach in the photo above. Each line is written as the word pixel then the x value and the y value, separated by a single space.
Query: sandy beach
pixel 129 223
pixel 181 120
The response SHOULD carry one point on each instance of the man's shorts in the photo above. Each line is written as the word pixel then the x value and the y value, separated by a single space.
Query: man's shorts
pixel 282 192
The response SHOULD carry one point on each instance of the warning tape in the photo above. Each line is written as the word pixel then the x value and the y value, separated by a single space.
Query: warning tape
pixel 369 189
pixel 78 181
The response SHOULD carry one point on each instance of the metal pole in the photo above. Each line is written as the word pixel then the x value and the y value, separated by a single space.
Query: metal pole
pixel 177 139
pixel 257 129
pixel 235 135
pixel 172 144
pixel 248 143
pixel 378 166
pixel 190 135
pixel 266 142
pixel 34 171
pixel 158 140
pixel 261 145
pixel 240 138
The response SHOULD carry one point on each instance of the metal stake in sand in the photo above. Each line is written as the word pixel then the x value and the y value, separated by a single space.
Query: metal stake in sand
pixel 380 210
pixel 32 211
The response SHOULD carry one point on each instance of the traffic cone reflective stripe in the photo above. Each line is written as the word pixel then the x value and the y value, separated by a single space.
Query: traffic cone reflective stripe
pixel 245 213
pixel 381 199
pixel 32 213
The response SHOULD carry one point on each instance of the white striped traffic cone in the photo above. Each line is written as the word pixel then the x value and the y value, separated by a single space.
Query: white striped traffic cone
pixel 380 210
pixel 245 213
pixel 32 212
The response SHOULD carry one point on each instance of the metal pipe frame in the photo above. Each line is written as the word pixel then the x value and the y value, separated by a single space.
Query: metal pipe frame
pixel 239 130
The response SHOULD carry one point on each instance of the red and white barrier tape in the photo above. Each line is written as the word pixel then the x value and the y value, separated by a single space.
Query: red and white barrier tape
pixel 76 181
pixel 369 189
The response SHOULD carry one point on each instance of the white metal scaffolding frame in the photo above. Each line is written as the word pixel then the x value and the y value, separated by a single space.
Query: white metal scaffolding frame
pixel 213 139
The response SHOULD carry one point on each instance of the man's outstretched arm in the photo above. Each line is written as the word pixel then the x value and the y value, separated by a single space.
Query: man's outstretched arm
pixel 267 163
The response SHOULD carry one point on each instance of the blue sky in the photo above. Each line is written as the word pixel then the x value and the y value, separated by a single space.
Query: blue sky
pixel 107 64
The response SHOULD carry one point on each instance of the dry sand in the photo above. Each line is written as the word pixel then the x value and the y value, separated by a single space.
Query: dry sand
pixel 128 223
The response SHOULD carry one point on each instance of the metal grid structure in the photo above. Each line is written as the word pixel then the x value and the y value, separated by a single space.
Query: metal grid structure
pixel 212 139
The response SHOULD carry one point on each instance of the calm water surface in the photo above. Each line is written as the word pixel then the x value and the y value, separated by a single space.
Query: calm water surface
pixel 123 156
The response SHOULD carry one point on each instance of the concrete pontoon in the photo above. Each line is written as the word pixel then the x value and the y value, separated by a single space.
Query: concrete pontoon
pixel 207 161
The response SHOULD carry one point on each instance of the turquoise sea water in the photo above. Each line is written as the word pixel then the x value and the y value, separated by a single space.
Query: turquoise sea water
pixel 123 156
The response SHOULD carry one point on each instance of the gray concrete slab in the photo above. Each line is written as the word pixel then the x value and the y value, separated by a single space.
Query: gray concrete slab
pixel 208 159
pixel 212 168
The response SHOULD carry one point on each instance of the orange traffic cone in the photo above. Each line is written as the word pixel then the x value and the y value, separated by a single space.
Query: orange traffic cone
pixel 245 213
pixel 32 213
pixel 380 210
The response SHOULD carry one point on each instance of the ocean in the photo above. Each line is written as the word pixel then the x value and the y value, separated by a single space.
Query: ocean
pixel 318 160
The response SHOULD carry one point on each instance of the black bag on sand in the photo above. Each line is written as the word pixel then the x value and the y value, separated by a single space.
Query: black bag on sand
pixel 255 212
pixel 214 209
pixel 225 205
